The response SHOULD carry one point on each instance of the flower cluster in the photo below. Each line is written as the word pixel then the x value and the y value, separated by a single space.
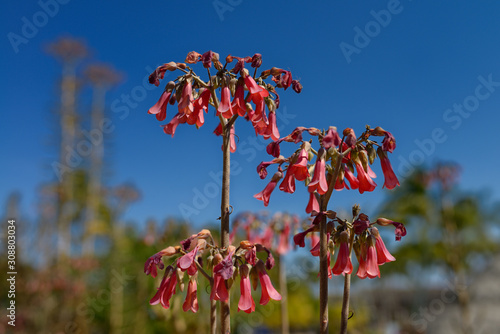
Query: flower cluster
pixel 359 235
pixel 239 93
pixel 224 270
pixel 341 157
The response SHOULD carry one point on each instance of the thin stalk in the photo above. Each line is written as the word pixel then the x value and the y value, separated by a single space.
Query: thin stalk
pixel 344 315
pixel 225 320
pixel 285 326
pixel 213 316
pixel 323 272
pixel 323 249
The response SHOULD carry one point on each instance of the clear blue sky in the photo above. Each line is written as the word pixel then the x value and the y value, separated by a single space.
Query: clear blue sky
pixel 402 73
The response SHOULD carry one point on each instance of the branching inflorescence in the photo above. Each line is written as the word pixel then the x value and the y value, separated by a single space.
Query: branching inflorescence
pixel 234 93
pixel 340 163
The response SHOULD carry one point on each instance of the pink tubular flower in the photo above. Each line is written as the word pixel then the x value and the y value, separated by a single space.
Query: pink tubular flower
pixel 331 139
pixel 238 105
pixel 265 194
pixel 188 259
pixel 313 204
pixel 246 302
pixel 365 181
pixel 383 255
pixel 225 108
pixel 318 182
pixel 353 181
pixel 400 228
pixel 169 128
pixel 160 108
pixel 343 265
pixel 186 102
pixel 372 269
pixel 299 238
pixel 389 142
pixel 268 291
pixel 299 169
pixel 166 289
pixel 391 181
pixel 288 183
pixel 219 289
pixel 273 148
pixel 272 129
pixel 199 105
pixel 257 93
pixel 191 302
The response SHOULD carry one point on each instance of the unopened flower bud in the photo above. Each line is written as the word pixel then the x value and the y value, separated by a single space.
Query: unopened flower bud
pixel 173 98
pixel 276 71
pixel 181 65
pixel 265 74
pixel 296 86
pixel 363 157
pixel 372 153
pixel 245 244
pixel 217 259
pixel 378 131
pixel 362 216
pixel 355 210
pixel 170 86
pixel 256 60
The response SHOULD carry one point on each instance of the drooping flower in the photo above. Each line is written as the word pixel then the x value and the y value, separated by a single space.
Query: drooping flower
pixel 372 269
pixel 299 238
pixel 365 181
pixel 219 289
pixel 389 142
pixel 187 260
pixel 318 182
pixel 166 289
pixel 400 230
pixel 273 148
pixel 191 302
pixel 246 302
pixel 343 264
pixel 265 194
pixel 383 255
pixel 268 291
pixel 299 170
pixel 257 93
pixel 160 108
pixel 179 118
pixel 353 181
pixel 288 183
pixel 331 139
pixel 238 105
pixel 391 180
pixel 225 108
pixel 272 129
pixel 200 105
pixel 313 204
pixel 186 102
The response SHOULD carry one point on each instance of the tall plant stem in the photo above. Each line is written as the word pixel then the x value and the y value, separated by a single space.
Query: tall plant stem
pixel 323 250
pixel 285 326
pixel 344 315
pixel 323 271
pixel 225 320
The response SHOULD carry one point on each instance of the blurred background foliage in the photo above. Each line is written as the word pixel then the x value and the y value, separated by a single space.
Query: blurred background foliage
pixel 80 265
